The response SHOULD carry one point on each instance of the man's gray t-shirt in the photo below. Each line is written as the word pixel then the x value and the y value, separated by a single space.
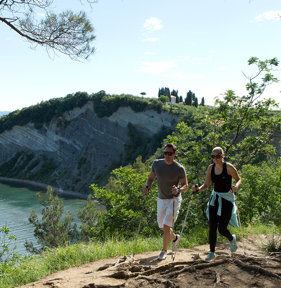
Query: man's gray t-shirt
pixel 167 176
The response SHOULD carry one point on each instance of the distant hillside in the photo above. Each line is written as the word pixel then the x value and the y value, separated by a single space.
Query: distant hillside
pixel 2 113
pixel 74 141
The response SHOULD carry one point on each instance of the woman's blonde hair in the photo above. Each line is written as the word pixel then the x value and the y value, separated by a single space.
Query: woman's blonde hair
pixel 218 149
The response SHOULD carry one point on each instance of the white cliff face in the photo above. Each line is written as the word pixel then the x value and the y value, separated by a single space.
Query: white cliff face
pixel 149 122
pixel 27 137
pixel 79 143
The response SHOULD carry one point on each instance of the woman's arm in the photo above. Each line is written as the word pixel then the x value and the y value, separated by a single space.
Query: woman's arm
pixel 231 170
pixel 207 183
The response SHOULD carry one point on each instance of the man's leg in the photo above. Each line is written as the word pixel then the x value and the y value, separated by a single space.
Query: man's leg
pixel 168 235
pixel 162 206
pixel 170 219
pixel 165 221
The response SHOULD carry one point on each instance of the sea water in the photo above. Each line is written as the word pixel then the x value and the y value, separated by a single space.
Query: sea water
pixel 16 205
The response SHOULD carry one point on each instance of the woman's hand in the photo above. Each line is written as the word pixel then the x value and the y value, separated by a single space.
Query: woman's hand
pixel 195 188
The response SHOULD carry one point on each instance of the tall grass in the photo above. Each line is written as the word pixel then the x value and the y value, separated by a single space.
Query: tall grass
pixel 36 267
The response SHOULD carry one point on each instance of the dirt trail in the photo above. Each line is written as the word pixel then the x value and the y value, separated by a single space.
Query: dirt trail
pixel 248 267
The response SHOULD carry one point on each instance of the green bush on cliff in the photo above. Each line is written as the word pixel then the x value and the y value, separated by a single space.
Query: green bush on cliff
pixel 43 112
pixel 104 105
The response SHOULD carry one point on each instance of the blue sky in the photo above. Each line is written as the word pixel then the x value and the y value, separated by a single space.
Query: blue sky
pixel 141 46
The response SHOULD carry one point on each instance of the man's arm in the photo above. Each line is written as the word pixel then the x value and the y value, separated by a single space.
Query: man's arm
pixel 149 182
pixel 182 188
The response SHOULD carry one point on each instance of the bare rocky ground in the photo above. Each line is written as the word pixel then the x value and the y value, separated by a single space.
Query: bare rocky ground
pixel 248 267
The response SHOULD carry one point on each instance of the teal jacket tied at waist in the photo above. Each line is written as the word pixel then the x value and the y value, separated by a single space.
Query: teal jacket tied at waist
pixel 229 196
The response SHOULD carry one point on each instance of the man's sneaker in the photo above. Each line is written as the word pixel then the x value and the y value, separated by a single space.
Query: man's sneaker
pixel 210 256
pixel 232 244
pixel 162 255
pixel 175 244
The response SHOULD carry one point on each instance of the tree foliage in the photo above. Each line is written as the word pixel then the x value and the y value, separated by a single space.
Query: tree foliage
pixel 68 32
pixel 191 99
pixel 51 231
pixel 165 91
pixel 174 92
pixel 188 98
pixel 260 195
pixel 245 125
pixel 125 208
pixel 89 216
pixel 8 256
pixel 202 103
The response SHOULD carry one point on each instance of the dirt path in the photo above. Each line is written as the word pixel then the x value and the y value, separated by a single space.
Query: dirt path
pixel 248 267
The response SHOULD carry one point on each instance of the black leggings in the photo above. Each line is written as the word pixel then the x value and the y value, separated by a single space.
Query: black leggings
pixel 219 222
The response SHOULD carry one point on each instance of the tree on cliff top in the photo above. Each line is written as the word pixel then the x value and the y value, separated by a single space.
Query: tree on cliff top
pixel 67 32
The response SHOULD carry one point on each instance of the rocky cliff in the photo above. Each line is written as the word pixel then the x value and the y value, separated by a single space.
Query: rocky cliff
pixel 75 148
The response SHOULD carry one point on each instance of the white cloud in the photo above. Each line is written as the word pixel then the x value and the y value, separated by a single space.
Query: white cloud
pixel 152 39
pixel 212 51
pixel 270 15
pixel 152 24
pixel 156 67
pixel 182 76
pixel 186 58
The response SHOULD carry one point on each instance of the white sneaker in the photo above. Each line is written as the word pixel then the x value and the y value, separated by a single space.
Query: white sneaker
pixel 175 244
pixel 162 255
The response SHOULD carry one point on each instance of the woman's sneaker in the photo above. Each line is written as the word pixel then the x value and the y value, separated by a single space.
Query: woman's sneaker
pixel 232 244
pixel 175 244
pixel 162 255
pixel 210 256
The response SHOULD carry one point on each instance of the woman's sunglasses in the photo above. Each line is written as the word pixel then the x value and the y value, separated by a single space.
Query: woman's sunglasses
pixel 216 156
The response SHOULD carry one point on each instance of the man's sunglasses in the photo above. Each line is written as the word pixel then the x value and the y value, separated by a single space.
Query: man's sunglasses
pixel 168 153
pixel 216 156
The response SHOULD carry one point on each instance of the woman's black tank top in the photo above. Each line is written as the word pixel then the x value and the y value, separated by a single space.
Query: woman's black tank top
pixel 223 181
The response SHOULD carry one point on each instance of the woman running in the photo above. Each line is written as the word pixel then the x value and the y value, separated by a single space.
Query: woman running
pixel 221 208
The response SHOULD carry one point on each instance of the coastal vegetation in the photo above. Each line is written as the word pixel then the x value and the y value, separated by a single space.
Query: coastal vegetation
pixel 245 126
pixel 104 105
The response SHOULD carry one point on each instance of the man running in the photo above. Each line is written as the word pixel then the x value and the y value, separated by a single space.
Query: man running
pixel 169 174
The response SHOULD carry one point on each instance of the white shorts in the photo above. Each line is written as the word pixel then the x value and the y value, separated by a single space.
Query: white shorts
pixel 165 215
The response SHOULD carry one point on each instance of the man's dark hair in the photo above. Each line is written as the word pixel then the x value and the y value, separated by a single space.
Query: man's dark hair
pixel 170 145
